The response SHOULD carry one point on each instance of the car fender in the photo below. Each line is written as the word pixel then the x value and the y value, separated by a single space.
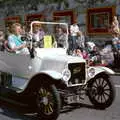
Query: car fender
pixel 107 70
pixel 52 74
pixel 100 69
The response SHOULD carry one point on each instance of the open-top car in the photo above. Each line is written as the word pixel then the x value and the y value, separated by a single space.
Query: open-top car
pixel 47 77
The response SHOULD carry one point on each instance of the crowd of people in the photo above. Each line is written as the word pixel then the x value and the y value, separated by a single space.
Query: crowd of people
pixel 77 45
pixel 107 55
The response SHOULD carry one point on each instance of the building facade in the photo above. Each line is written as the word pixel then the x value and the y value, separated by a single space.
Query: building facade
pixel 25 11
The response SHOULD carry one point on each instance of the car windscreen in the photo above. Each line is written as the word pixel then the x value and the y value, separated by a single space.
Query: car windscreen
pixel 50 35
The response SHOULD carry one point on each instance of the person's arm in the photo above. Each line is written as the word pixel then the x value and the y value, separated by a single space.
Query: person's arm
pixel 12 44
pixel 71 29
pixel 65 40
pixel 20 46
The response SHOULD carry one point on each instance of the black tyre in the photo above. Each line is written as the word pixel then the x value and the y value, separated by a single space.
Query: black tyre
pixel 101 91
pixel 48 102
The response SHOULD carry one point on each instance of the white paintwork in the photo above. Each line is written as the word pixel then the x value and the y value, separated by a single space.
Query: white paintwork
pixel 45 59
pixel 19 65
pixel 99 69
pixel 107 69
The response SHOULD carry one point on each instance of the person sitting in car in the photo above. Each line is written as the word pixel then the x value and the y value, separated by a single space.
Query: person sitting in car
pixel 2 39
pixel 15 42
pixel 38 34
pixel 61 37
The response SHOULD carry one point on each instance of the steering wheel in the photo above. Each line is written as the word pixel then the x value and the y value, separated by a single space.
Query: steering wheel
pixel 26 37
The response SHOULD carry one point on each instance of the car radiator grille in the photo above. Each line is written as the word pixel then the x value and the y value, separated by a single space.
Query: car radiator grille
pixel 78 74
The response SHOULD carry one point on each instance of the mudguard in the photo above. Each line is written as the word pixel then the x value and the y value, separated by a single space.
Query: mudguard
pixel 56 76
pixel 100 69
pixel 52 74
pixel 106 69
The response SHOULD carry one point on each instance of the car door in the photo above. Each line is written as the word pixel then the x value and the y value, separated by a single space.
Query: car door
pixel 16 64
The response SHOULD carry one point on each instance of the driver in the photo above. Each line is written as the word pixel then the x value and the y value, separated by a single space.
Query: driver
pixel 14 40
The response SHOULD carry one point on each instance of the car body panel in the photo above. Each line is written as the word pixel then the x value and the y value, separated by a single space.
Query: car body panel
pixel 98 70
pixel 52 64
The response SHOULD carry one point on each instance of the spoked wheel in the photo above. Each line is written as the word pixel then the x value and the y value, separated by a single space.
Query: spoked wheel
pixel 48 103
pixel 101 91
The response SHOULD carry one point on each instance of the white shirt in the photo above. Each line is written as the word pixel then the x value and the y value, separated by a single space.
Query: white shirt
pixel 74 29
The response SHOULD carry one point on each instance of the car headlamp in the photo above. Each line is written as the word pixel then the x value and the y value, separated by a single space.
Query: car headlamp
pixel 91 72
pixel 66 74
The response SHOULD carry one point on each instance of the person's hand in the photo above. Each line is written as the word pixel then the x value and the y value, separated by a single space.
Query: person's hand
pixel 24 45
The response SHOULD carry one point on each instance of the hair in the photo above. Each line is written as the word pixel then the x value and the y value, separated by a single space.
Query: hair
pixel 64 30
pixel 13 26
pixel 37 24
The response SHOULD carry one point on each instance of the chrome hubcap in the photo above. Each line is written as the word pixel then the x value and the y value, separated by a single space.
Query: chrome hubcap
pixel 45 101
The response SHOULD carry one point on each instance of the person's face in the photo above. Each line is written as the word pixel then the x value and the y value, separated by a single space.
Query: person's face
pixel 78 51
pixel 36 28
pixel 94 48
pixel 59 30
pixel 18 30
pixel 115 18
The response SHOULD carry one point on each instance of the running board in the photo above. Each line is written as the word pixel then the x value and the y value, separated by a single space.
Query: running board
pixel 13 101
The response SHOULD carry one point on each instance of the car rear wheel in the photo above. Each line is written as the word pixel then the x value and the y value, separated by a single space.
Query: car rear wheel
pixel 48 102
pixel 101 91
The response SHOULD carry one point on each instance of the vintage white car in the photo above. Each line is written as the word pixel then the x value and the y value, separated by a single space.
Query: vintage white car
pixel 48 78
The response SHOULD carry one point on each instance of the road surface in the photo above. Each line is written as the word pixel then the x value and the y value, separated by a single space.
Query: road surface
pixel 84 111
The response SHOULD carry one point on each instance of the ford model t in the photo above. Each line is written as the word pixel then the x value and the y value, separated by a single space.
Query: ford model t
pixel 48 78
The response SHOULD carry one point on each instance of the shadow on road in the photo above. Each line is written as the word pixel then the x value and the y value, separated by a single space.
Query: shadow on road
pixel 15 112
pixel 73 107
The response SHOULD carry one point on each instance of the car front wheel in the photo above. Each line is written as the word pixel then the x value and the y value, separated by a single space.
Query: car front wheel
pixel 48 102
pixel 101 91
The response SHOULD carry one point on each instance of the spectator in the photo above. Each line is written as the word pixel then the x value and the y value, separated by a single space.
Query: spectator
pixel 107 55
pixel 116 42
pixel 93 52
pixel 81 40
pixel 85 54
pixel 115 33
pixel 78 52
pixel 115 26
pixel 74 30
